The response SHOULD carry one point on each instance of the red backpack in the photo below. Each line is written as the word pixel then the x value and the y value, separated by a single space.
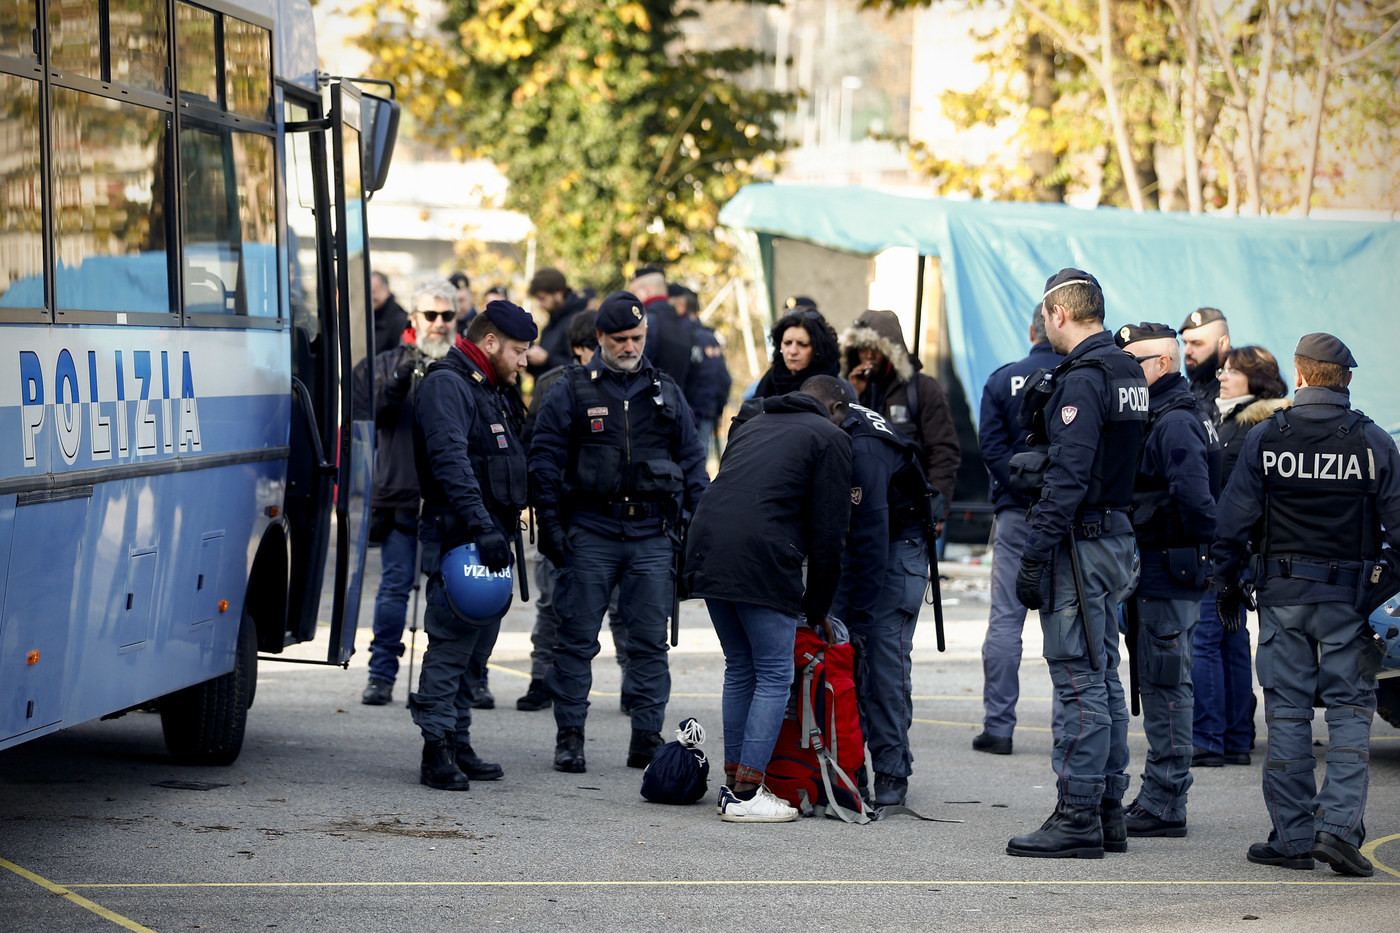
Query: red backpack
pixel 820 746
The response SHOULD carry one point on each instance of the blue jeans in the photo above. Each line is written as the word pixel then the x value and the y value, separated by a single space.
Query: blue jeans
pixel 640 570
pixel 758 672
pixel 397 555
pixel 1224 679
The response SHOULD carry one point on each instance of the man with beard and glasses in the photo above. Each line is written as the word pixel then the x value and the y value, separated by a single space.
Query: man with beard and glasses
pixel 1206 336
pixel 471 468
pixel 616 467
pixel 394 503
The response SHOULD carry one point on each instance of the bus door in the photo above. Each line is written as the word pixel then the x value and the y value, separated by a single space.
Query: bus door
pixel 330 473
pixel 356 343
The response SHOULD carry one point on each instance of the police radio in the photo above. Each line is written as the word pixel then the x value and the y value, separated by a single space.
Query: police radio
pixel 1028 467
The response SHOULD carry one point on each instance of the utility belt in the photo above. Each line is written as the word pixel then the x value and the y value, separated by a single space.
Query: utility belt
pixel 1094 523
pixel 1290 567
pixel 630 510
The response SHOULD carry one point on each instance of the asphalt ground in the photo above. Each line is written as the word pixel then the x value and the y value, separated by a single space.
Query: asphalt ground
pixel 321 824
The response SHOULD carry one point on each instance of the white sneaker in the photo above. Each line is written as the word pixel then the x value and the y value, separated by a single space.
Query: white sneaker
pixel 763 808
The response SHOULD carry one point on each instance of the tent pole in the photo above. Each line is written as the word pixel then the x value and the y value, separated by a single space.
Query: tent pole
pixel 918 346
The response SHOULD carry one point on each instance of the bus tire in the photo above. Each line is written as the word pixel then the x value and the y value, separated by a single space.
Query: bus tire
pixel 204 724
pixel 1388 700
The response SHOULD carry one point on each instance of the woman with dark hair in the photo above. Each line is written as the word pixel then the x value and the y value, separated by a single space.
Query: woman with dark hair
pixel 804 345
pixel 1251 389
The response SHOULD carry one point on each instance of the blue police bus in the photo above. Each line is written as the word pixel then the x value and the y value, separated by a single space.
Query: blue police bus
pixel 183 299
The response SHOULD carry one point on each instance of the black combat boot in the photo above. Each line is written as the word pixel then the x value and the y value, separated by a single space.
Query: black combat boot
pixel 890 790
pixel 1072 831
pixel 1143 822
pixel 440 770
pixel 537 697
pixel 568 750
pixel 643 748
pixel 472 765
pixel 1115 827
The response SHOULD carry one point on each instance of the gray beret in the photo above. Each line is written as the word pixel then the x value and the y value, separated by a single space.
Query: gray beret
pixel 1325 349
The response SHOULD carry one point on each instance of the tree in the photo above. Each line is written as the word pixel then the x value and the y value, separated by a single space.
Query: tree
pixel 618 141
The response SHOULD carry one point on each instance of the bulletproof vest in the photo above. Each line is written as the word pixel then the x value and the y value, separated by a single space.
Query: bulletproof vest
pixel 909 491
pixel 494 450
pixel 1319 488
pixel 1157 517
pixel 621 449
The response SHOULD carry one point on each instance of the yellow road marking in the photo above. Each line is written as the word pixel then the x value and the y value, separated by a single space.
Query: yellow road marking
pixel 1369 850
pixel 67 895
pixel 928 882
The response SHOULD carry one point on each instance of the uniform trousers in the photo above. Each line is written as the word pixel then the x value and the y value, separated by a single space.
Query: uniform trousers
pixel 1306 651
pixel 1165 628
pixel 1091 757
pixel 546 626
pixel 443 703
pixel 640 569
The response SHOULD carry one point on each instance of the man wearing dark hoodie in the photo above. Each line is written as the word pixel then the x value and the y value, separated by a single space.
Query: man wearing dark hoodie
pixel 782 496
pixel 887 379
pixel 552 293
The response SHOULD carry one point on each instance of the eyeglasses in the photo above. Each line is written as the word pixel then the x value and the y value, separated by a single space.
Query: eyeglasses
pixel 1150 356
pixel 1225 371
pixel 432 316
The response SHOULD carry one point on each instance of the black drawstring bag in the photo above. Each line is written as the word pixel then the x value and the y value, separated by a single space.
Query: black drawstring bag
pixel 679 773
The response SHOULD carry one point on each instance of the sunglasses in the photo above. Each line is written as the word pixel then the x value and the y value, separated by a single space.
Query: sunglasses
pixel 1150 356
pixel 432 316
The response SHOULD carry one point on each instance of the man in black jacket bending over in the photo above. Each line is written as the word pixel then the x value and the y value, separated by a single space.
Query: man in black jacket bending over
pixel 783 494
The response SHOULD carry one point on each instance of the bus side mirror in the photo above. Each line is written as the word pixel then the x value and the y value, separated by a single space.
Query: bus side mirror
pixel 381 129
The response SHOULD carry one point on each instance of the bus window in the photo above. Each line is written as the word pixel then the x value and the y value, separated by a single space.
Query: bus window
pixel 18 20
pixel 75 37
pixel 139 42
pixel 247 69
pixel 230 222
pixel 196 54
pixel 21 214
pixel 110 164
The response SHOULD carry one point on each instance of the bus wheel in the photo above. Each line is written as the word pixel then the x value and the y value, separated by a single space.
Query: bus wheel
pixel 1388 700
pixel 204 724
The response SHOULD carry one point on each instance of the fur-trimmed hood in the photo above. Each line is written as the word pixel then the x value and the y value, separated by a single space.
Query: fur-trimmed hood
pixel 878 330
pixel 1258 410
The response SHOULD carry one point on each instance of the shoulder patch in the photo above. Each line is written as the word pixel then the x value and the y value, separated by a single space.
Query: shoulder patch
pixel 1068 414
pixel 857 494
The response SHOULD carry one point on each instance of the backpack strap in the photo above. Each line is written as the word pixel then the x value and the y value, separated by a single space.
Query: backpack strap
pixel 883 813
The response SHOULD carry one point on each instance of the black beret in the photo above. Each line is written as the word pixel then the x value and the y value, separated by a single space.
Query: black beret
pixel 620 311
pixel 1201 317
pixel 1068 277
pixel 1325 349
pixel 800 301
pixel 1132 333
pixel 512 320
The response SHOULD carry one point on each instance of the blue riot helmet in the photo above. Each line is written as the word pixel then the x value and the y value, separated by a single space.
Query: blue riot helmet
pixel 473 592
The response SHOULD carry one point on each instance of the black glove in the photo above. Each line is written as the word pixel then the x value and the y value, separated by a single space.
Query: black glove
pixel 1031 584
pixel 405 368
pixel 552 544
pixel 493 549
pixel 1230 601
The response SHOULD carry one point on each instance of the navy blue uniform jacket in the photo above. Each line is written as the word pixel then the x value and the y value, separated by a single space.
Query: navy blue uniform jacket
pixel 998 434
pixel 1177 449
pixel 549 448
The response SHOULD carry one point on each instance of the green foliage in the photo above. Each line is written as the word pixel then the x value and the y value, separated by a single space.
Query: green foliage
pixel 618 142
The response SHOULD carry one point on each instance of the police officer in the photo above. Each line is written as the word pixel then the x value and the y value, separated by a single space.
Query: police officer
pixel 1315 493
pixel 883 582
pixel 471 468
pixel 1000 437
pixel 1087 417
pixel 616 466
pixel 1174 519
pixel 1206 335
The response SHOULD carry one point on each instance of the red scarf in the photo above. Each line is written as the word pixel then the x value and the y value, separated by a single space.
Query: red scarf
pixel 482 361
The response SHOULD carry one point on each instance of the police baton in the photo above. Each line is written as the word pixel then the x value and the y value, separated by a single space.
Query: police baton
pixel 677 555
pixel 935 590
pixel 1130 613
pixel 1094 662
pixel 521 574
